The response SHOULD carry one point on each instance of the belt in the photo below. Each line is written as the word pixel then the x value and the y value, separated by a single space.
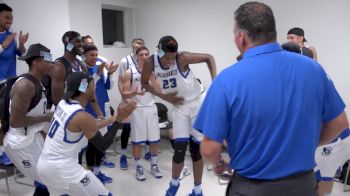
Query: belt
pixel 254 180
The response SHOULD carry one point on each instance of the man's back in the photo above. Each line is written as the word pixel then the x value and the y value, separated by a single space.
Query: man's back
pixel 275 105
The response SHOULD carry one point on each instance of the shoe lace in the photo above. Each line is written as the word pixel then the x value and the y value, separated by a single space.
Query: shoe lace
pixel 155 168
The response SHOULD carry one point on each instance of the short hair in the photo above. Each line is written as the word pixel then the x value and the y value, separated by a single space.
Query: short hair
pixel 90 47
pixel 86 37
pixel 168 44
pixel 141 48
pixel 291 47
pixel 257 20
pixel 5 7
pixel 68 36
pixel 138 41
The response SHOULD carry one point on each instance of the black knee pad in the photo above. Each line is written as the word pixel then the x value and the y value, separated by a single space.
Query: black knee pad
pixel 195 152
pixel 179 152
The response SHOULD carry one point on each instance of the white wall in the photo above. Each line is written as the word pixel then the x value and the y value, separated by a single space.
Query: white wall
pixel 206 26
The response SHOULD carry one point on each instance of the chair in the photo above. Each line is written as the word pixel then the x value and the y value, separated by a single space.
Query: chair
pixel 346 187
pixel 3 174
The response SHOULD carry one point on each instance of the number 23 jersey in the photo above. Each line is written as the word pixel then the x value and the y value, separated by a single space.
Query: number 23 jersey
pixel 172 79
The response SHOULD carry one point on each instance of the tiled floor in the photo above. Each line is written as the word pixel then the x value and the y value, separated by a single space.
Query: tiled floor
pixel 125 184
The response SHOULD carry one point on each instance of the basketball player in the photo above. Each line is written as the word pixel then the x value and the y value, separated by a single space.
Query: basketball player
pixel 24 140
pixel 144 120
pixel 329 158
pixel 103 83
pixel 179 87
pixel 71 128
pixel 125 64
pixel 296 35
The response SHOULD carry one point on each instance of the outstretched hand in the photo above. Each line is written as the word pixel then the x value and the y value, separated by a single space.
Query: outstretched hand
pixel 22 38
pixel 124 111
pixel 111 68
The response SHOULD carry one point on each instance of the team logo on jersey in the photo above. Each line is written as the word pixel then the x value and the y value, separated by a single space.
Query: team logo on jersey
pixel 26 163
pixel 85 181
pixel 327 151
pixel 167 74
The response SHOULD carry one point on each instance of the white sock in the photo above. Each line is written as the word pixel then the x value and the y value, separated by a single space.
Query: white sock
pixel 197 189
pixel 175 182
pixel 96 170
pixel 138 161
pixel 154 160
pixel 2 149
pixel 147 148
pixel 123 151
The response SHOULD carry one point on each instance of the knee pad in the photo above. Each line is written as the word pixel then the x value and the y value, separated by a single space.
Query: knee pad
pixel 179 152
pixel 195 152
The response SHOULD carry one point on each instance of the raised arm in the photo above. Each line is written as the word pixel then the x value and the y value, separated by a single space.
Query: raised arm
pixel 86 123
pixel 186 58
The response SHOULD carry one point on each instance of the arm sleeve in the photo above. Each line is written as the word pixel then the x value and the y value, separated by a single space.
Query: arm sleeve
pixel 103 142
pixel 333 104
pixel 213 117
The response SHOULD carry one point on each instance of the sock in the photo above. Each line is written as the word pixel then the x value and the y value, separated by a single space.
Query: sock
pixel 2 149
pixel 96 170
pixel 147 148
pixel 197 188
pixel 123 151
pixel 137 161
pixel 154 160
pixel 175 182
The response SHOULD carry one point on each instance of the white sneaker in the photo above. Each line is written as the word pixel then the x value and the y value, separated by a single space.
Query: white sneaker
pixel 185 172
pixel 155 171
pixel 140 175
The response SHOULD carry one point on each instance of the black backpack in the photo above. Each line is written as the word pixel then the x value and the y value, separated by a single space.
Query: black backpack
pixel 162 112
pixel 47 79
pixel 5 89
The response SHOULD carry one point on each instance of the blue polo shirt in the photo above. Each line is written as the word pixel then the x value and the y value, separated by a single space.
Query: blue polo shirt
pixel 8 58
pixel 269 107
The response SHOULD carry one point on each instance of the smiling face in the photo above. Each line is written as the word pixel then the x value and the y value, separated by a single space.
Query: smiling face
pixel 91 57
pixel 78 45
pixel 142 55
pixel 6 19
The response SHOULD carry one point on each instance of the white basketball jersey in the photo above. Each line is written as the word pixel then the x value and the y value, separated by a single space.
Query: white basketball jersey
pixel 173 80
pixel 142 100
pixel 127 63
pixel 23 136
pixel 63 145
